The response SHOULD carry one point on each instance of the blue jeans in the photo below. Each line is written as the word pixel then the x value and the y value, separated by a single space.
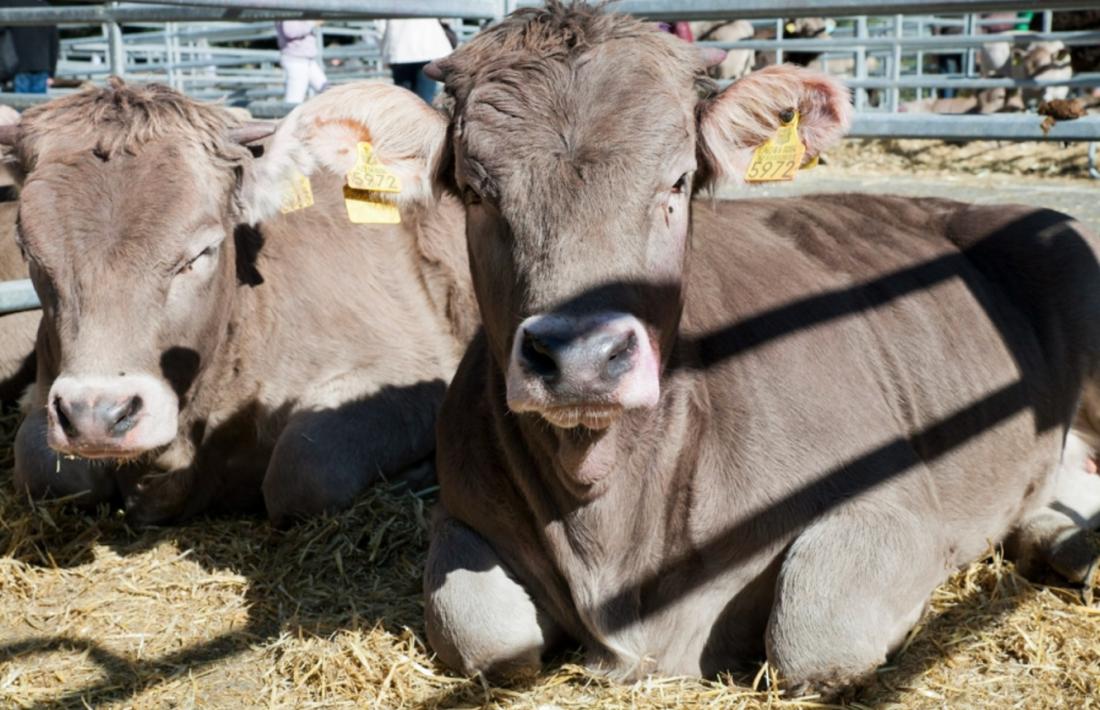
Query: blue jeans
pixel 412 77
pixel 30 82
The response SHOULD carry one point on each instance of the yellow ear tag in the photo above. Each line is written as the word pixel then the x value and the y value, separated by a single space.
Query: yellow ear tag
pixel 369 174
pixel 297 194
pixel 362 209
pixel 811 163
pixel 779 157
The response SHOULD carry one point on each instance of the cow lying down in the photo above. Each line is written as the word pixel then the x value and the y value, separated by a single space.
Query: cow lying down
pixel 694 433
pixel 186 361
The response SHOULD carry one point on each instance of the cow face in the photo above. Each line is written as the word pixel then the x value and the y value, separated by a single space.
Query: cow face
pixel 131 197
pixel 130 251
pixel 578 139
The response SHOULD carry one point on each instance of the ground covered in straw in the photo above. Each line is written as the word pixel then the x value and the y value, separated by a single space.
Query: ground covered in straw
pixel 231 613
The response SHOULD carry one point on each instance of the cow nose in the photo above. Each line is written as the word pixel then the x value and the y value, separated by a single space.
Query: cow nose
pixel 105 418
pixel 593 358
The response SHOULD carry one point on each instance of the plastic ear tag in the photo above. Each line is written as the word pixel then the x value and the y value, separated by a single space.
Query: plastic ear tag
pixel 363 209
pixel 297 194
pixel 779 157
pixel 811 163
pixel 369 174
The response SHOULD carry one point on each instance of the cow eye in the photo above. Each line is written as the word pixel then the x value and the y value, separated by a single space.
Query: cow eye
pixel 190 265
pixel 680 184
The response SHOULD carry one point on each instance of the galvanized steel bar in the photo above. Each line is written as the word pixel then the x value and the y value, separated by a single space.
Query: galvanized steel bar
pixel 467 9
pixel 18 296
pixel 1001 127
pixel 837 44
pixel 750 9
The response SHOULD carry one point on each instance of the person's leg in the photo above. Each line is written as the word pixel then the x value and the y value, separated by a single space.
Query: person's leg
pixel 426 87
pixel 297 79
pixel 318 82
pixel 31 82
pixel 404 75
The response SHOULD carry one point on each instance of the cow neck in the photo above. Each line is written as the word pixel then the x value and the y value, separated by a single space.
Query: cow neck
pixel 607 505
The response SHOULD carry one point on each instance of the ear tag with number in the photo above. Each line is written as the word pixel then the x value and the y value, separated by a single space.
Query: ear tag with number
pixel 779 157
pixel 297 194
pixel 364 209
pixel 369 174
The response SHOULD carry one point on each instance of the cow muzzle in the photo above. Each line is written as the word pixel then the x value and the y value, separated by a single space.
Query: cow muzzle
pixel 582 371
pixel 110 417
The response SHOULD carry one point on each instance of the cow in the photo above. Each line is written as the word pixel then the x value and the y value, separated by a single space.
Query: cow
pixel 691 433
pixel 18 329
pixel 218 334
pixel 1039 61
pixel 737 62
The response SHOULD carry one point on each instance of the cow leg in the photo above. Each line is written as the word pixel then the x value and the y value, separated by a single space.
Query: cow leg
pixel 1057 535
pixel 479 619
pixel 851 587
pixel 329 453
pixel 44 473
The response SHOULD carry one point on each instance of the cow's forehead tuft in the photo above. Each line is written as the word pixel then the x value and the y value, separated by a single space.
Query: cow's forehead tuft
pixel 122 118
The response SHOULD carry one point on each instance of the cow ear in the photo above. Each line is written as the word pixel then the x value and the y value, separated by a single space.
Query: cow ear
pixel 406 138
pixel 741 118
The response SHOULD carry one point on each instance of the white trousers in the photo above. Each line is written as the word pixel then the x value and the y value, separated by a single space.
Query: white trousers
pixel 302 74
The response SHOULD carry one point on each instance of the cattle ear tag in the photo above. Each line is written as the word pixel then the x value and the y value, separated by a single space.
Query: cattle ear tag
pixel 367 176
pixel 363 209
pixel 780 156
pixel 297 194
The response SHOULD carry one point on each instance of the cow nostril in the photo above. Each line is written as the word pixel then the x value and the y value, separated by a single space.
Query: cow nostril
pixel 537 357
pixel 620 357
pixel 63 420
pixel 126 417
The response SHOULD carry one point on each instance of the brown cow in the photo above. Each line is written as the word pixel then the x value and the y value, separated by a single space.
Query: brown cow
pixel 186 361
pixel 17 330
pixel 694 433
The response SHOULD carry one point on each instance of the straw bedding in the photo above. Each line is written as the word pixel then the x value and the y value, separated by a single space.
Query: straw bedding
pixel 231 613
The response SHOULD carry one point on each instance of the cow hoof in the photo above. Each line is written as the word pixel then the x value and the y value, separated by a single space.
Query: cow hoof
pixel 1075 556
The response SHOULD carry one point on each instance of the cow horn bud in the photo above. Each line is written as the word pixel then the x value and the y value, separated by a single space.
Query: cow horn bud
pixel 251 131
pixel 712 56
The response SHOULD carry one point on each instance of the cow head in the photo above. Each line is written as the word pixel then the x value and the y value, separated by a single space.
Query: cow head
pixel 577 141
pixel 131 199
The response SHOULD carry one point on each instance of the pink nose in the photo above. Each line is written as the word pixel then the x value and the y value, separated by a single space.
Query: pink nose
pixel 109 417
pixel 99 420
pixel 605 359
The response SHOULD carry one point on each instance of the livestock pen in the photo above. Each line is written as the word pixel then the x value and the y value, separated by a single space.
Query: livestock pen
pixel 229 611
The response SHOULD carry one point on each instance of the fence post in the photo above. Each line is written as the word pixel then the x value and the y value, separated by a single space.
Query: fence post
pixel 895 92
pixel 861 62
pixel 116 51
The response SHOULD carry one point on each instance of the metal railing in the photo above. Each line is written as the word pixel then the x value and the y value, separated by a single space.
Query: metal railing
pixel 191 44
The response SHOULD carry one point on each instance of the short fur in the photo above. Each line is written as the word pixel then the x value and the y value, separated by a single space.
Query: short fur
pixel 858 393
pixel 311 362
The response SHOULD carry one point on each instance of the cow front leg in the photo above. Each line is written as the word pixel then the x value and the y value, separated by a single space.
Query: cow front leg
pixel 850 588
pixel 1056 535
pixel 479 619
pixel 44 473
pixel 330 452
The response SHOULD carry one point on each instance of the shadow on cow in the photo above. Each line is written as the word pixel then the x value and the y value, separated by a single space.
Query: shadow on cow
pixel 270 606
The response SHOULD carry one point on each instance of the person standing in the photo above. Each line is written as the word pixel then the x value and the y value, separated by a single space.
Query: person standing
pixel 408 46
pixel 299 56
pixel 29 54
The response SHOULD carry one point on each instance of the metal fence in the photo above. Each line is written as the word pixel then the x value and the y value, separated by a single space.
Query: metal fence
pixel 882 47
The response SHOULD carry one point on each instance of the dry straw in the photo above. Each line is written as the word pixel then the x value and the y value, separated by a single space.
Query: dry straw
pixel 228 613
